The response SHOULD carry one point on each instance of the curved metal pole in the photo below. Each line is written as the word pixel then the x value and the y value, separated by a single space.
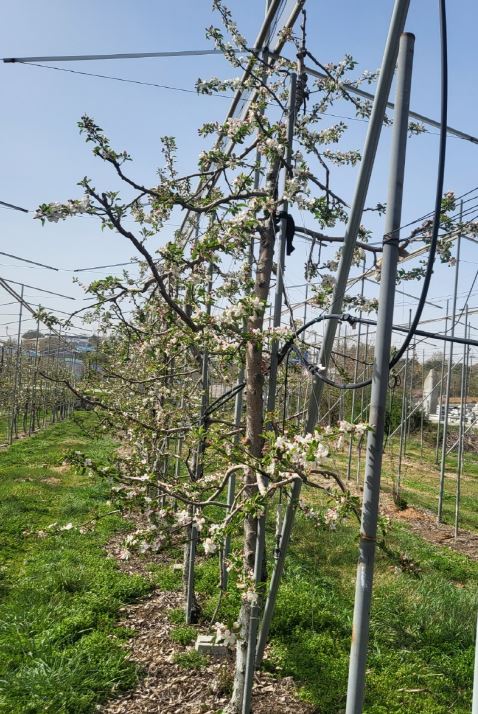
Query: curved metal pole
pixel 397 25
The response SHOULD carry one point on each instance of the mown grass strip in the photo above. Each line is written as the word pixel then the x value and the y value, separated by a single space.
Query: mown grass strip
pixel 60 650
pixel 422 631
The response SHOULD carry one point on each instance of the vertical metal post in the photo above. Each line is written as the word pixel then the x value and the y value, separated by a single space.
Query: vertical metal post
pixel 442 377
pixel 33 419
pixel 448 385
pixel 461 432
pixel 410 408
pixel 421 409
pixel 362 407
pixel 368 529
pixel 343 349
pixel 397 24
pixel 198 468
pixel 231 486
pixel 16 379
pixel 357 356
pixel 403 421
pixel 276 320
pixel 179 443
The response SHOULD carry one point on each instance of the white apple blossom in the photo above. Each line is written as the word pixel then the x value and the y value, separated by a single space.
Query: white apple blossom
pixel 199 522
pixel 183 518
pixel 209 546
pixel 224 635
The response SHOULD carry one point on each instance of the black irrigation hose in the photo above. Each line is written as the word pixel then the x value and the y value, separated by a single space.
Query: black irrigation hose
pixel 436 220
pixel 220 401
pixel 439 186
pixel 313 369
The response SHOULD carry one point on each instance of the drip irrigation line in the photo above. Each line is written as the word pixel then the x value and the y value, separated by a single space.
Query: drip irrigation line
pixel 224 398
pixel 353 320
pixel 315 370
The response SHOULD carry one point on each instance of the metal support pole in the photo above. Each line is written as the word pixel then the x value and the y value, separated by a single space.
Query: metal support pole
pixel 368 530
pixel 16 379
pixel 442 377
pixel 410 397
pixel 448 385
pixel 190 601
pixel 276 319
pixel 357 356
pixel 287 524
pixel 362 408
pixel 231 486
pixel 403 423
pixel 397 25
pixel 459 464
pixel 421 410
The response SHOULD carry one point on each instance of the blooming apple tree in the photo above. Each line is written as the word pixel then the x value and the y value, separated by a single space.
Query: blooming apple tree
pixel 189 319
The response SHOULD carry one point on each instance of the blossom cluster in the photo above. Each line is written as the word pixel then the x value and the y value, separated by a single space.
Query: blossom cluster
pixel 53 212
pixel 303 453
pixel 226 635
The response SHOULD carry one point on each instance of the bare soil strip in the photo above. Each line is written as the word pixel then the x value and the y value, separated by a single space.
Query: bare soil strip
pixel 424 524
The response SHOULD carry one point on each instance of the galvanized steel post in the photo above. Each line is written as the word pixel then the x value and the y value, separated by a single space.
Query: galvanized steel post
pixel 441 492
pixel 368 529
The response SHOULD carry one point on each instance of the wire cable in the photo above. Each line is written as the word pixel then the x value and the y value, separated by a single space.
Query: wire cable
pixel 124 79
pixel 26 260
pixel 12 207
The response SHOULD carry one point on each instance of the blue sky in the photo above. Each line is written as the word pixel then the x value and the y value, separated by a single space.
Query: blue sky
pixel 43 155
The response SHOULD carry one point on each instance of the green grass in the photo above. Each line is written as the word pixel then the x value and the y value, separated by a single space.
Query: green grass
pixel 420 480
pixel 191 660
pixel 183 634
pixel 422 628
pixel 60 650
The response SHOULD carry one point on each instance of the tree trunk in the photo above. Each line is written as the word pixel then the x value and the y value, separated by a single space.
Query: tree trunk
pixel 254 399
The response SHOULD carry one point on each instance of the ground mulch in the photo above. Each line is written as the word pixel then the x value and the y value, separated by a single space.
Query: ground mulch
pixel 168 688
pixel 424 524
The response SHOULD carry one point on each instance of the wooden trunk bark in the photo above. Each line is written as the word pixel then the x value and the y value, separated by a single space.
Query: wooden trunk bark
pixel 254 400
